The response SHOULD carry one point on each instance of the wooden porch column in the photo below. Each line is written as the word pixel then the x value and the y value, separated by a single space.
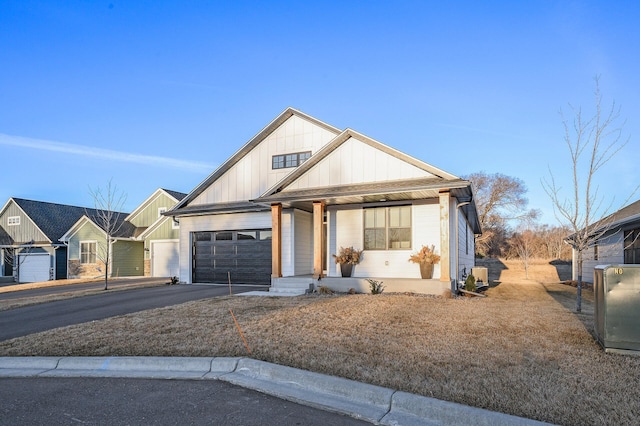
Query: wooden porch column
pixel 445 249
pixel 318 237
pixel 276 240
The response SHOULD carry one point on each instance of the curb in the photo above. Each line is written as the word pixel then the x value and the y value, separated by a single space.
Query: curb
pixel 372 403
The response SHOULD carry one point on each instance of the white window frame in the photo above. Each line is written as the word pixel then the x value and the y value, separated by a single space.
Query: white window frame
pixel 161 210
pixel 13 221
pixel 175 224
pixel 95 253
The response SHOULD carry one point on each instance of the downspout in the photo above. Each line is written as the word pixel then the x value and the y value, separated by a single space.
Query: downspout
pixel 454 284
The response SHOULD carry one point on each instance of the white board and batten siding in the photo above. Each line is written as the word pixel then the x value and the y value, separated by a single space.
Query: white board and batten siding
pixel 253 175
pixel 221 222
pixel 610 252
pixel 346 228
pixel 356 162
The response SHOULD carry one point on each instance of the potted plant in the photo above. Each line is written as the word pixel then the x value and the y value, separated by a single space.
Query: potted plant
pixel 426 258
pixel 347 257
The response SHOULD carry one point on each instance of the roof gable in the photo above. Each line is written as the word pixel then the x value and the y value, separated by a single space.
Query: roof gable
pixel 52 219
pixel 351 159
pixel 161 198
pixel 91 218
pixel 248 172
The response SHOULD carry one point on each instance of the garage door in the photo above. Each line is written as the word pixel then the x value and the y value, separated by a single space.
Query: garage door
pixel 165 261
pixel 34 267
pixel 243 255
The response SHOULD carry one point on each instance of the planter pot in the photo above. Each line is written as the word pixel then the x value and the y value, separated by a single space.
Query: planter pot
pixel 346 269
pixel 426 271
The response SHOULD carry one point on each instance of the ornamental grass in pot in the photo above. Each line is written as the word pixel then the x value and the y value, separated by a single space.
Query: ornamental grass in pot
pixel 347 257
pixel 426 257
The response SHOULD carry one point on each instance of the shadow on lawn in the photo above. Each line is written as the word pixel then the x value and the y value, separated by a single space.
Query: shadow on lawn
pixel 563 269
pixel 494 269
pixel 565 295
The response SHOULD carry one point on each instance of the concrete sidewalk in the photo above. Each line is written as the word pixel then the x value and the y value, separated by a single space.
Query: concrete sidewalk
pixel 375 404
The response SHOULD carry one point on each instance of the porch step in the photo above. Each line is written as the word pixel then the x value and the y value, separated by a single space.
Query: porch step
pixel 294 285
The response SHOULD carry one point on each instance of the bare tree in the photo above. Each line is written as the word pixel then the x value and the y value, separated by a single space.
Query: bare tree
pixel 108 204
pixel 592 141
pixel 499 200
pixel 16 256
pixel 523 245
pixel 552 242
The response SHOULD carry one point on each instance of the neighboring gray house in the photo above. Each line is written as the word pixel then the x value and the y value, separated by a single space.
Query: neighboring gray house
pixel 29 239
pixel 618 244
pixel 278 209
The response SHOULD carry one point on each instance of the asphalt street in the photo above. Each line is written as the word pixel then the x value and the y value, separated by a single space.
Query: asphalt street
pixel 35 318
pixel 104 401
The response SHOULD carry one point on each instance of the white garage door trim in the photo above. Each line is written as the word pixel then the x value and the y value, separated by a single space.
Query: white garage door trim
pixel 165 259
pixel 34 267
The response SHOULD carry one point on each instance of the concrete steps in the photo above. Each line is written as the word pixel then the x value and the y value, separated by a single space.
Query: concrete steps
pixel 293 285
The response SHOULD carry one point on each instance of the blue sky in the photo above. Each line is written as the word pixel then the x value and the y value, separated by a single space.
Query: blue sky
pixel 158 94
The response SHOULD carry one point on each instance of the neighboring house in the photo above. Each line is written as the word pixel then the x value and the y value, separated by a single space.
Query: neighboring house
pixel 88 248
pixel 283 204
pixel 618 242
pixel 145 244
pixel 29 239
pixel 159 233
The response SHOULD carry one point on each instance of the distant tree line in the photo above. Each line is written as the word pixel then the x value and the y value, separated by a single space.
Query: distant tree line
pixel 509 228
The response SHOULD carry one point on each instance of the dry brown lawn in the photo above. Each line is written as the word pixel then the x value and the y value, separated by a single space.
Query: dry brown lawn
pixel 522 350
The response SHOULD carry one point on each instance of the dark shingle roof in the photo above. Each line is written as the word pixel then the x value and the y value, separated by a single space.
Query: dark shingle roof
pixel 123 228
pixel 5 239
pixel 175 194
pixel 52 219
pixel 56 219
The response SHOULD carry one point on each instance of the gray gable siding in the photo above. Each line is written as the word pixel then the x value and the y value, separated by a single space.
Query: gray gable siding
pixel 26 231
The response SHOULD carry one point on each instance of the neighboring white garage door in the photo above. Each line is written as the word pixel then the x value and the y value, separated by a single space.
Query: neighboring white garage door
pixel 165 261
pixel 34 267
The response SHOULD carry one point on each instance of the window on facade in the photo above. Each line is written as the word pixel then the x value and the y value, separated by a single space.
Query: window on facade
pixel 161 210
pixel 387 228
pixel 289 160
pixel 88 252
pixel 13 220
pixel 595 251
pixel 632 246
pixel 174 223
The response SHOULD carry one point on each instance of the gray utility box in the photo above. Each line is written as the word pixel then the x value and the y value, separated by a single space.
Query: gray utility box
pixel 616 290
